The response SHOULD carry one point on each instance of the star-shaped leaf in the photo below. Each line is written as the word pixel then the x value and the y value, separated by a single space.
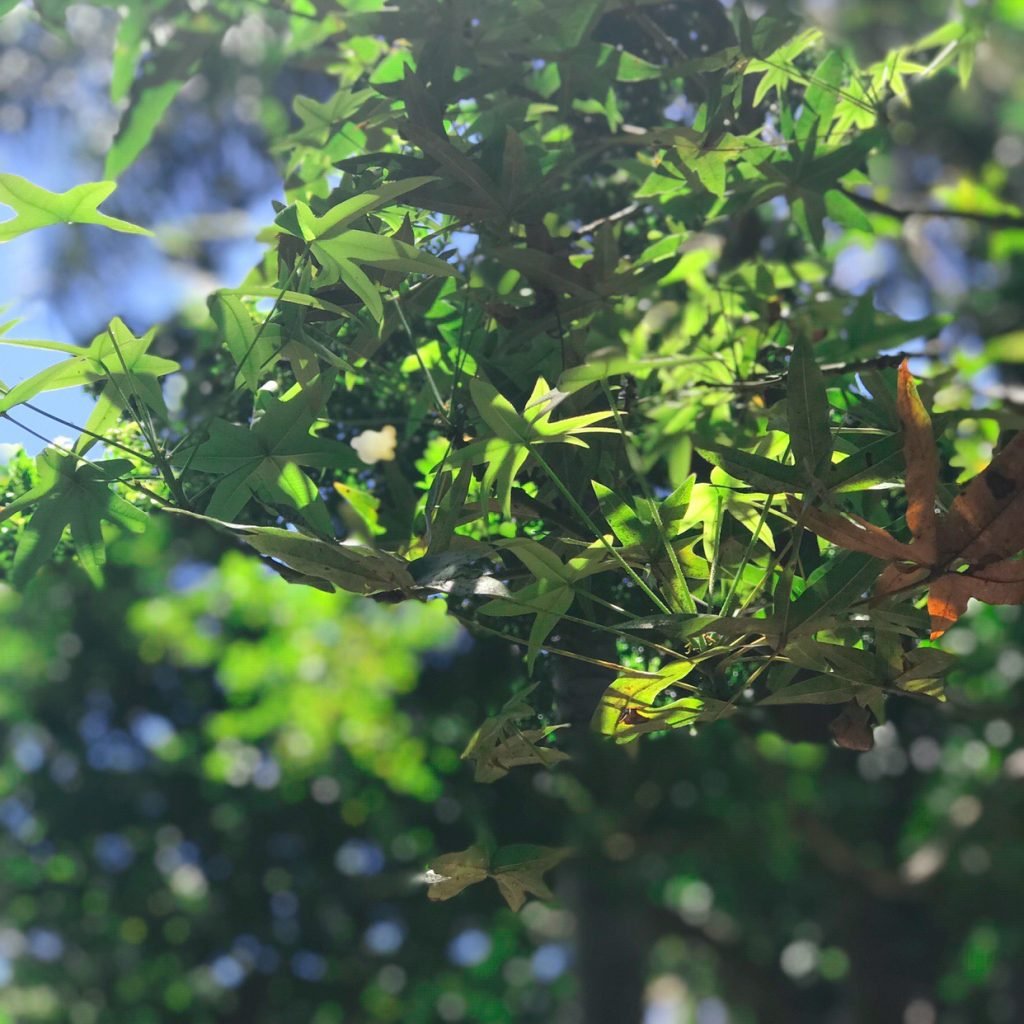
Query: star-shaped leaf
pixel 263 461
pixel 627 709
pixel 71 492
pixel 115 357
pixel 551 594
pixel 518 870
pixel 36 207
pixel 514 433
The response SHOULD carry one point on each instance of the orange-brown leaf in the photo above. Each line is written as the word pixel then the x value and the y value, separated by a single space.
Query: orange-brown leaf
pixel 1001 583
pixel 947 601
pixel 855 534
pixel 922 460
pixel 899 576
pixel 986 521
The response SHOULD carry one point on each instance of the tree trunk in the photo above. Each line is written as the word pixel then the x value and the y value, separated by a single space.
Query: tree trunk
pixel 613 933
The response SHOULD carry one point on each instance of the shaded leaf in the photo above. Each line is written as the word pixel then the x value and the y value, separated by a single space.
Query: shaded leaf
pixel 518 871
pixel 808 411
pixel 351 567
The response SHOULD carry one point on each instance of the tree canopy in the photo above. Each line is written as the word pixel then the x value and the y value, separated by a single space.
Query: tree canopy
pixel 674 344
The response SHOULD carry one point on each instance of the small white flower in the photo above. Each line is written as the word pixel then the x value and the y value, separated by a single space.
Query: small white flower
pixel 376 445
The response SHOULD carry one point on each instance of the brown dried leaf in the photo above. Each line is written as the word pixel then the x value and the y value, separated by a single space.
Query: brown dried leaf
pixel 854 534
pixel 984 523
pixel 899 577
pixel 851 729
pixel 922 461
pixel 1001 583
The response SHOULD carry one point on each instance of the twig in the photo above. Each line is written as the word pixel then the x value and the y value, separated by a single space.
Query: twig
pixel 995 220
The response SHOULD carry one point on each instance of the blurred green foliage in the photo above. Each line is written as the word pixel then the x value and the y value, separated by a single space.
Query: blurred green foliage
pixel 173 850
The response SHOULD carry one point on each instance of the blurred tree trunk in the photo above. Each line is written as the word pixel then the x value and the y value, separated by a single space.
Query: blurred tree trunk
pixel 613 930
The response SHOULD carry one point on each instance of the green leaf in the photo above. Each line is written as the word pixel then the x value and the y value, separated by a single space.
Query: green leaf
pixel 635 69
pixel 505 454
pixel 163 75
pixel 623 520
pixel 381 251
pixel 821 96
pixel 75 493
pixel 457 164
pixel 138 126
pixel 127 46
pixel 251 351
pixel 36 207
pixel 263 461
pixel 626 709
pixel 761 473
pixel 613 363
pixel 549 270
pixel 875 463
pixel 351 567
pixel 116 358
pixel 551 594
pixel 843 210
pixel 848 578
pixel 819 690
pixel 808 411
pixel 348 210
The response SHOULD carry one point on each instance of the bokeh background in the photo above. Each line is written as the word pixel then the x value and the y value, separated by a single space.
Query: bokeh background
pixel 218 792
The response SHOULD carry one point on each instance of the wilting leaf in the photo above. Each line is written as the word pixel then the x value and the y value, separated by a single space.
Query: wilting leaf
pixel 520 870
pixel 517 870
pixel 500 745
pixel 350 567
pixel 450 873
pixel 852 532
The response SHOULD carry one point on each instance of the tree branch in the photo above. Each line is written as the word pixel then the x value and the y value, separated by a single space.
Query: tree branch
pixel 995 220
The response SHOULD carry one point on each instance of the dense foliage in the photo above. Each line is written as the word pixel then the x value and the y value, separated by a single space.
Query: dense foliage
pixel 550 330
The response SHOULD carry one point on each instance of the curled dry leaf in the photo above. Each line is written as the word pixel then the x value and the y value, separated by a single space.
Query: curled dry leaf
pixel 970 552
pixel 500 744
pixel 851 728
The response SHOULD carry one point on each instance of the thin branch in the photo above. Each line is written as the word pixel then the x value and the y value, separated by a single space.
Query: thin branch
pixel 994 220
